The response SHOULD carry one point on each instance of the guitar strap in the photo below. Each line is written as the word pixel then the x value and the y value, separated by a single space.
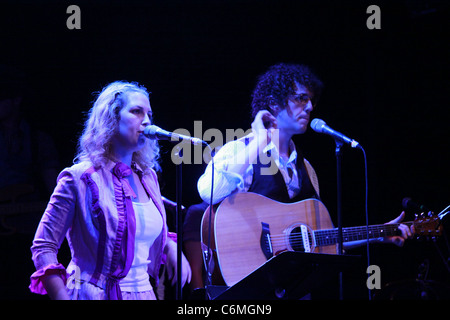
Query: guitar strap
pixel 312 177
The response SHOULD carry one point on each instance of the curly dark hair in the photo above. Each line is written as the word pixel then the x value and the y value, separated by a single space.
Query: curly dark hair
pixel 278 83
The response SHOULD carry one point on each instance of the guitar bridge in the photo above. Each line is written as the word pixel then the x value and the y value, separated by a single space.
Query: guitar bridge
pixel 266 243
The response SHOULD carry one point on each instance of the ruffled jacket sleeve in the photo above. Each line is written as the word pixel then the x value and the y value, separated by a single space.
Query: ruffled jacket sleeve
pixel 51 231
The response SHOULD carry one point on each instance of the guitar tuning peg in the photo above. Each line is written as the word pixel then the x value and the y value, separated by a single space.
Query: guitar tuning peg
pixel 430 213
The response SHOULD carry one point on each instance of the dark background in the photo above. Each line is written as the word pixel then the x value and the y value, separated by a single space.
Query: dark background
pixel 387 88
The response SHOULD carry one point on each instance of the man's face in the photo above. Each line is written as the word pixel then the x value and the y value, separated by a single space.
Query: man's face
pixel 295 117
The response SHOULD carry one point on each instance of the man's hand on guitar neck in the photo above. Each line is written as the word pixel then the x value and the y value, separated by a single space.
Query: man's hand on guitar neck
pixel 398 240
pixel 407 232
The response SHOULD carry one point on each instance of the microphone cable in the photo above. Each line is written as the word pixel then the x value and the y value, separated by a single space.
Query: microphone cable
pixel 367 213
pixel 209 253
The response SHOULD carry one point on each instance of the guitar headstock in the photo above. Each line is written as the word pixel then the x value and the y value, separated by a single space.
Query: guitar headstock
pixel 428 226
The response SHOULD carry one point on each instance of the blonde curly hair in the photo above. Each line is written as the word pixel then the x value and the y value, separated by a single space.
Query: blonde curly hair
pixel 102 124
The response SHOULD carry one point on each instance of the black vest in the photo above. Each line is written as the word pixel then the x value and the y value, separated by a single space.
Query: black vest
pixel 274 187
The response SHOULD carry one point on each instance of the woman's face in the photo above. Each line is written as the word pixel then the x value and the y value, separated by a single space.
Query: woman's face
pixel 134 117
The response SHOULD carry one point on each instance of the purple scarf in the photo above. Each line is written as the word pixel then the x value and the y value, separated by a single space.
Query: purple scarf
pixel 123 253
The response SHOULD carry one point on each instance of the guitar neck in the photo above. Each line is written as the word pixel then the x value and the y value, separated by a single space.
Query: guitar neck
pixel 330 236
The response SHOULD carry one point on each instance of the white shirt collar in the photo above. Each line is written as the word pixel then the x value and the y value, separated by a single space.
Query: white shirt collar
pixel 276 155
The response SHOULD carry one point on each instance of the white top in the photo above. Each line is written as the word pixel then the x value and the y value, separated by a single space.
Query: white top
pixel 148 227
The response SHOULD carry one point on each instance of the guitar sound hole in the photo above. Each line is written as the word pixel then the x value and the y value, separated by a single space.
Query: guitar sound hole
pixel 295 240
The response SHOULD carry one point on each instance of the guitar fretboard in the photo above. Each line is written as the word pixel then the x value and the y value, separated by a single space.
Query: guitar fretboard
pixel 330 236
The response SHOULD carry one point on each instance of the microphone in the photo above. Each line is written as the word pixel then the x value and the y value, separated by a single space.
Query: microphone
pixel 408 204
pixel 320 126
pixel 154 132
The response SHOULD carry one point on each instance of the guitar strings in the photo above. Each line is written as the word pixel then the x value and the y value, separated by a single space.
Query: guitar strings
pixel 330 236
pixel 352 231
pixel 322 237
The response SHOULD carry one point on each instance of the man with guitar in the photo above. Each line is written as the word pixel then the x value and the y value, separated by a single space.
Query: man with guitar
pixel 267 162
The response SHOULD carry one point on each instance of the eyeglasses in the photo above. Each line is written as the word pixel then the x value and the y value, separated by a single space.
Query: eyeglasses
pixel 302 99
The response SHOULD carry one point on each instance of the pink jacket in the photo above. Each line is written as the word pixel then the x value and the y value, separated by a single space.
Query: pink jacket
pixel 89 207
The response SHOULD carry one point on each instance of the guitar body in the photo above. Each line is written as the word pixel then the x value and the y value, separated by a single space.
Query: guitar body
pixel 238 235
pixel 248 229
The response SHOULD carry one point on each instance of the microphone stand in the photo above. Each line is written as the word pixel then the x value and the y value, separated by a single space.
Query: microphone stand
pixel 208 255
pixel 338 152
pixel 179 227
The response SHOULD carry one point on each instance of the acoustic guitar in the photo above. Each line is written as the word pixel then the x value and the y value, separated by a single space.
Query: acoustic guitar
pixel 247 229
